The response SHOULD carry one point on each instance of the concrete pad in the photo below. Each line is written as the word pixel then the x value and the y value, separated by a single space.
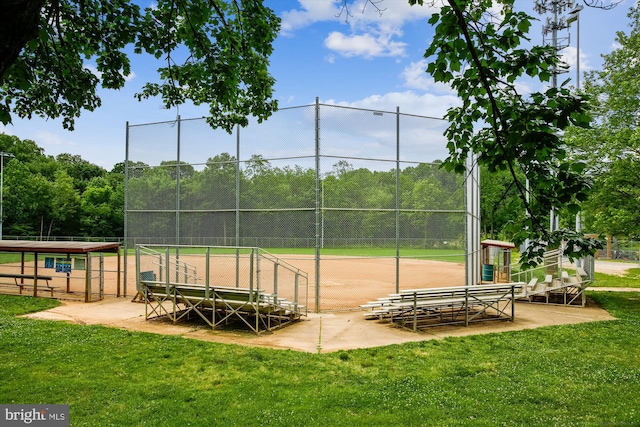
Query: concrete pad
pixel 318 332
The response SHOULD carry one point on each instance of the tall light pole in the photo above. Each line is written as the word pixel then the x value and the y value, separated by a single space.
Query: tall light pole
pixel 575 16
pixel 2 156
pixel 551 28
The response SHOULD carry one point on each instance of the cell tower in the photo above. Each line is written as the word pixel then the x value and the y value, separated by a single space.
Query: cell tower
pixel 553 25
pixel 553 30
pixel 553 33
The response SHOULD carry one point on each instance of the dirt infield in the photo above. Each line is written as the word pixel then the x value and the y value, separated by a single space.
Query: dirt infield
pixel 346 282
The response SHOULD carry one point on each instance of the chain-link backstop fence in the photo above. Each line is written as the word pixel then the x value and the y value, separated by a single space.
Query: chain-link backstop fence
pixel 355 197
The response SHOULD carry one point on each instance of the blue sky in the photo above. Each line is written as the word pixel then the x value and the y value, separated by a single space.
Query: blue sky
pixel 370 61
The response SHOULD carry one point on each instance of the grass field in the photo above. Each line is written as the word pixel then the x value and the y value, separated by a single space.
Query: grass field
pixel 631 279
pixel 451 255
pixel 571 375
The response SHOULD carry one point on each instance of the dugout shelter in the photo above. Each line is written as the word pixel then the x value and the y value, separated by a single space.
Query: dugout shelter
pixel 47 266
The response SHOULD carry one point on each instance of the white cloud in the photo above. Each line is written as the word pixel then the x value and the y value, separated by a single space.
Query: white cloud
pixel 310 12
pixel 365 45
pixel 410 102
pixel 393 13
pixel 130 76
pixel 569 56
pixel 373 135
pixel 93 70
pixel 372 32
pixel 49 139
pixel 415 77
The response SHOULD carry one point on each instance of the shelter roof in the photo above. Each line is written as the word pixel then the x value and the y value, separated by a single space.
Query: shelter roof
pixel 497 243
pixel 58 247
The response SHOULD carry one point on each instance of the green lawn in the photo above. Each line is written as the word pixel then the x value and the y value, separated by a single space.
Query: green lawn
pixel 452 255
pixel 631 279
pixel 433 254
pixel 569 375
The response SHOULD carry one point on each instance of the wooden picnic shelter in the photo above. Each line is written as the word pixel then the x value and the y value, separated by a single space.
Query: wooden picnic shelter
pixel 83 250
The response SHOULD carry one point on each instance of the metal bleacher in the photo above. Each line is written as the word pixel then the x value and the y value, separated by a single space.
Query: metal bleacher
pixel 421 308
pixel 258 305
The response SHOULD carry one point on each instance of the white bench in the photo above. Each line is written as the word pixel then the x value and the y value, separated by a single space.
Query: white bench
pixel 568 288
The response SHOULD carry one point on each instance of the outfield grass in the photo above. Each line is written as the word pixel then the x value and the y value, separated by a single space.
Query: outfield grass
pixel 451 255
pixel 570 375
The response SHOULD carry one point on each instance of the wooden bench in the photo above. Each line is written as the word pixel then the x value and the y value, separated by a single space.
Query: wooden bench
pixel 16 276
pixel 457 304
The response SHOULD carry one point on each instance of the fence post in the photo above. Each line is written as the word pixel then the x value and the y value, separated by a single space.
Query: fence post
pixel 317 249
pixel 397 199
pixel 177 239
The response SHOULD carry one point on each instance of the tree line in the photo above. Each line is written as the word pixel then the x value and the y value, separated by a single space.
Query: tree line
pixel 64 195
pixel 283 202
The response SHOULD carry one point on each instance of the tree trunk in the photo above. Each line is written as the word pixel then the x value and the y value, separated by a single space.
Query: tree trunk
pixel 19 21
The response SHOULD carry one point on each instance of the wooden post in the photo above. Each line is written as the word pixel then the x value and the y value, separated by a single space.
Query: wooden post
pixel 35 274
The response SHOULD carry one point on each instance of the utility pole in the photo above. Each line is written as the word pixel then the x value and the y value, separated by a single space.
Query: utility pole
pixel 2 156
pixel 553 28
pixel 553 35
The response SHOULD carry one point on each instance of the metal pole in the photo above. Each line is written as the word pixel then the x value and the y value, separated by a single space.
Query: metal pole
pixel 398 200
pixel 237 186
pixel 126 214
pixel 1 191
pixel 177 239
pixel 2 155
pixel 576 12
pixel 322 214
pixel 578 51
pixel 317 154
pixel 576 17
pixel 237 213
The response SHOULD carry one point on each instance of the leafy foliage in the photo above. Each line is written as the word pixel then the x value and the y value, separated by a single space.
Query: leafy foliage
pixel 216 53
pixel 66 195
pixel 480 55
pixel 356 204
pixel 611 147
pixel 500 204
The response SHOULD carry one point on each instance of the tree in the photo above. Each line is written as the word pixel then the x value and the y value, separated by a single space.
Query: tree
pixel 186 170
pixel 99 212
pixel 611 146
pixel 500 205
pixel 215 52
pixel 65 206
pixel 80 170
pixel 614 206
pixel 481 56
pixel 27 201
pixel 28 152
